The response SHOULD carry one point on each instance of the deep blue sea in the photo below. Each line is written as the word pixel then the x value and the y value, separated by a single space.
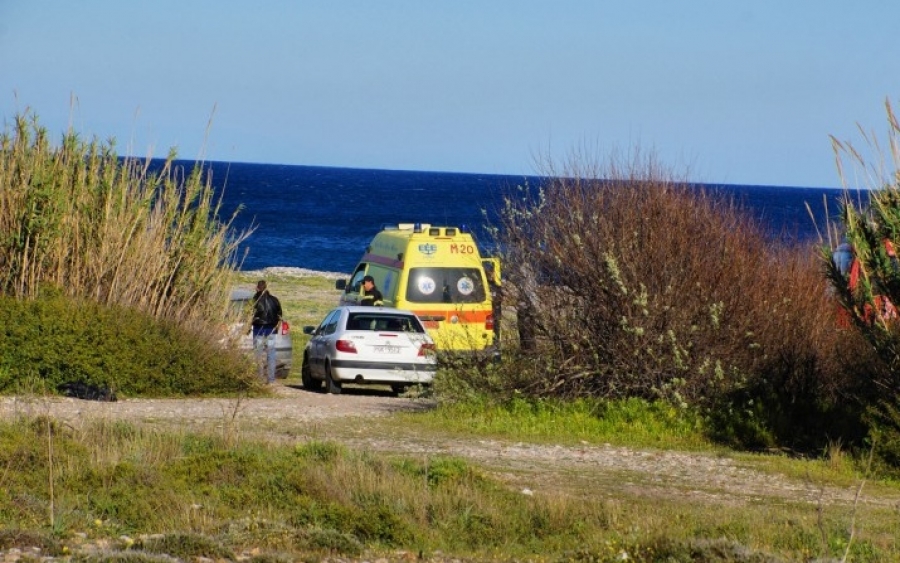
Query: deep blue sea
pixel 322 218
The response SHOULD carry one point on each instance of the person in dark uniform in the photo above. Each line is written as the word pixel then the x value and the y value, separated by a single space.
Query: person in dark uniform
pixel 371 295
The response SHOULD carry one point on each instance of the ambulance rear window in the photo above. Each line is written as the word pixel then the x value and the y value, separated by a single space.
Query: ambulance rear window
pixel 445 285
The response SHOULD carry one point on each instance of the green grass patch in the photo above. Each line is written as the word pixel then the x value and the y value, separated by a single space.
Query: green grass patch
pixel 631 422
pixel 194 495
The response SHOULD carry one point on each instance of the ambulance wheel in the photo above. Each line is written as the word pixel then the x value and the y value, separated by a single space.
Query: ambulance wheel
pixel 331 386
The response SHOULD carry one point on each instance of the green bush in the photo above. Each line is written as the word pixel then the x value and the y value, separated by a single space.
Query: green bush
pixel 440 471
pixel 319 451
pixel 872 230
pixel 13 537
pixel 55 340
pixel 329 540
pixel 111 556
pixel 186 546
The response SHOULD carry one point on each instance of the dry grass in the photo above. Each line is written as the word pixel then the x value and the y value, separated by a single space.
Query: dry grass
pixel 77 218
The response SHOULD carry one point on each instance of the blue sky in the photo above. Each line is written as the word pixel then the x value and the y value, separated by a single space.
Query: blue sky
pixel 729 92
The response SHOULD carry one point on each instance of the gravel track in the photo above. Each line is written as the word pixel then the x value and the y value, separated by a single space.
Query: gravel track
pixel 293 415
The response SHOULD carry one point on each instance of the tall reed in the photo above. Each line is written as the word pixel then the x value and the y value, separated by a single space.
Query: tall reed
pixel 77 217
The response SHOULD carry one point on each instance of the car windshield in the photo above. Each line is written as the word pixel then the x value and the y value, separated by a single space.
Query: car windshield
pixel 384 321
pixel 445 285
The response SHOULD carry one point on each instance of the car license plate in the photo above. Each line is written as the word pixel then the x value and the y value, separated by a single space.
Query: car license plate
pixel 387 349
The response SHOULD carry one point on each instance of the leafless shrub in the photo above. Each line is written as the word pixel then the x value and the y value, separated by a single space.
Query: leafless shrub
pixel 629 281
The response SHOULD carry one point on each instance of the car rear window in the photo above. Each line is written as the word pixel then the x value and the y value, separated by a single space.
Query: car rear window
pixel 384 321
pixel 240 306
pixel 445 285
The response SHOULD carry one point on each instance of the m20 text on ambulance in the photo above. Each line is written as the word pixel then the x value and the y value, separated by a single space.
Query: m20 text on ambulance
pixel 436 272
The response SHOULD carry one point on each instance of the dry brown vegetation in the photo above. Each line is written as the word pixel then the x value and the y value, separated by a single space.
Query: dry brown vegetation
pixel 78 218
pixel 629 282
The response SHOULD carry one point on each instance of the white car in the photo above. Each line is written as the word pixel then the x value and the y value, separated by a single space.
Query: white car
pixel 242 308
pixel 368 345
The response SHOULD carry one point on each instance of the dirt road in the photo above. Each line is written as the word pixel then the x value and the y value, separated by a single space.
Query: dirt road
pixel 353 418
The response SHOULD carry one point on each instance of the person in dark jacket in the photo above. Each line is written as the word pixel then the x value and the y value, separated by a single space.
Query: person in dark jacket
pixel 371 295
pixel 266 321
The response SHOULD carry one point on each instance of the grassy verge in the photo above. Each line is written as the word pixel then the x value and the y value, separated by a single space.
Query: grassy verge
pixel 638 425
pixel 631 422
pixel 124 490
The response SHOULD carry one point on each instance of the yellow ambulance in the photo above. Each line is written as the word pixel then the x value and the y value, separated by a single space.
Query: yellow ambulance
pixel 436 272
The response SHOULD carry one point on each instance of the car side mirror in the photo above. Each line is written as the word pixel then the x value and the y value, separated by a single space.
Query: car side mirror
pixel 340 284
pixel 309 330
